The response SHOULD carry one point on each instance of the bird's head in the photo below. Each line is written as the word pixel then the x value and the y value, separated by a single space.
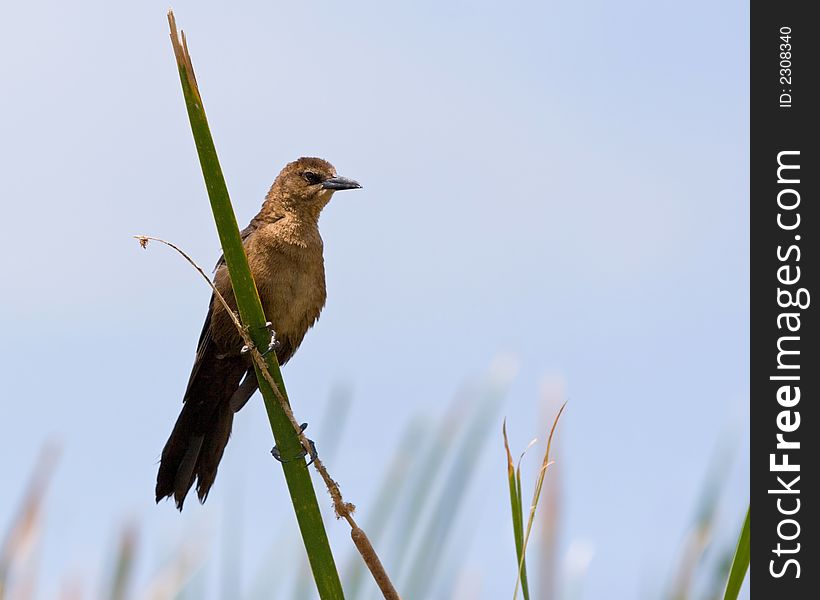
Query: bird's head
pixel 306 185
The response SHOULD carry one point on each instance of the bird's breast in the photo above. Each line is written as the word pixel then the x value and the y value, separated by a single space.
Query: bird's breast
pixel 292 289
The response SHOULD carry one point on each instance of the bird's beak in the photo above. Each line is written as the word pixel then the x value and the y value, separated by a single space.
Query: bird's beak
pixel 340 183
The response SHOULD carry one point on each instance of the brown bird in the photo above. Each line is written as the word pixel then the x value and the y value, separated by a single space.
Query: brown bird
pixel 284 251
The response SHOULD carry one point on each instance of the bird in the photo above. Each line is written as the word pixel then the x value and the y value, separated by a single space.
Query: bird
pixel 285 255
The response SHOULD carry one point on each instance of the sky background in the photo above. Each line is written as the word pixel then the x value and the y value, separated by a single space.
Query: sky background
pixel 560 184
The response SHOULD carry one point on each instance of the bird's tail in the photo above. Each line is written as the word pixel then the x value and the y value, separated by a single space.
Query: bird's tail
pixel 202 429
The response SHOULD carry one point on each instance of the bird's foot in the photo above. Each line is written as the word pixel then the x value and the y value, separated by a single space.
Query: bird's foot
pixel 313 454
pixel 272 345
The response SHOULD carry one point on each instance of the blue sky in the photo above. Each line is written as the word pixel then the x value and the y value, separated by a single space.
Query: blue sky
pixel 566 183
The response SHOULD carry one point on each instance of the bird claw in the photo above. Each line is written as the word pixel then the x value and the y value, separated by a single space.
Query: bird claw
pixel 313 454
pixel 272 345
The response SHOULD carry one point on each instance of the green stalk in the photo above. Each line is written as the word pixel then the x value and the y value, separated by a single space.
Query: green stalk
pixel 253 319
pixel 740 563
pixel 124 566
pixel 525 587
pixel 516 503
pixel 539 484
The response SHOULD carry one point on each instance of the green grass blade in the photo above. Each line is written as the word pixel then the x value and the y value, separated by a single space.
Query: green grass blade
pixel 740 563
pixel 522 560
pixel 516 505
pixel 252 316
pixel 539 484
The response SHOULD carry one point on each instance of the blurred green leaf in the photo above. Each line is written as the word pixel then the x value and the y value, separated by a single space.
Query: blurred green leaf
pixel 385 503
pixel 701 531
pixel 24 531
pixel 124 565
pixel 740 563
pixel 427 557
pixel 420 480
pixel 516 505
pixel 539 484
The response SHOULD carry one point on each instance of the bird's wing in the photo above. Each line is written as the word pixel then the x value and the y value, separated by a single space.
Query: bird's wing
pixel 205 337
pixel 244 234
pixel 205 340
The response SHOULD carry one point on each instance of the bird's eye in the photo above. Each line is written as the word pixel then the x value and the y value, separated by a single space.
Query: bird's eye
pixel 311 177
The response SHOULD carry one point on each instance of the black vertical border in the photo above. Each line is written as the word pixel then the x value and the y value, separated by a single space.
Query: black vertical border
pixel 775 129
